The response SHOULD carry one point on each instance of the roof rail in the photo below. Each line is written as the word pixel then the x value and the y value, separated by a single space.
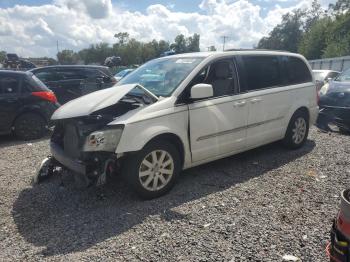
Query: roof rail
pixel 255 49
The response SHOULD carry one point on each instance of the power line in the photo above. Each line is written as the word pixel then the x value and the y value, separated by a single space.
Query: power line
pixel 224 42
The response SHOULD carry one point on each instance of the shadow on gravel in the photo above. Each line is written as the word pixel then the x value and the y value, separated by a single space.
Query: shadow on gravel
pixel 66 219
pixel 11 140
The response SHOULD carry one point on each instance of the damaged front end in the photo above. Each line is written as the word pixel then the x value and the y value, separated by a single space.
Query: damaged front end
pixel 86 143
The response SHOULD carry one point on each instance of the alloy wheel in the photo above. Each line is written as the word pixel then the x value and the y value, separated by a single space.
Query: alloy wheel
pixel 156 170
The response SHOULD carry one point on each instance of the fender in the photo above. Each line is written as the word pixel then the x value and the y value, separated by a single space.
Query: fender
pixel 136 135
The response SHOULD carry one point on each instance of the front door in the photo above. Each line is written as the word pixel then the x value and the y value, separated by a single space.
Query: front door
pixel 217 124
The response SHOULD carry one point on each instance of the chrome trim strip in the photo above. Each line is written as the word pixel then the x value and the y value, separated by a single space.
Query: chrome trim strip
pixel 226 132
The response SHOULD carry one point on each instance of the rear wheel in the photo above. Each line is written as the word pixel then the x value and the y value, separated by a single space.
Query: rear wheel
pixel 297 131
pixel 152 172
pixel 30 126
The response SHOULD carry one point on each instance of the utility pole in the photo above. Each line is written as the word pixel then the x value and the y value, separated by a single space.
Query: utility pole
pixel 57 47
pixel 224 42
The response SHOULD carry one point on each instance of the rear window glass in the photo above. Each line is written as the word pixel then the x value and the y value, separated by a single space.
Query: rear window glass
pixel 296 71
pixel 9 84
pixel 259 72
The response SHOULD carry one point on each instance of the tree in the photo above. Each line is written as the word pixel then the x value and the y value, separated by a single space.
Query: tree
pixel 341 6
pixel 2 56
pixel 67 57
pixel 185 45
pixel 287 34
pixel 313 42
pixel 338 37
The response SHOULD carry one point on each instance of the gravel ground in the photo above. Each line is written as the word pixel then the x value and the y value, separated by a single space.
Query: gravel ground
pixel 256 206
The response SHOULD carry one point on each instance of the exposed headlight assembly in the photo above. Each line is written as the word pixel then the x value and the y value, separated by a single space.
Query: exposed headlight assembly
pixel 324 89
pixel 103 140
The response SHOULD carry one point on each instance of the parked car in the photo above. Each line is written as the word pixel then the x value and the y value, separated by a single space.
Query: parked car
pixel 70 82
pixel 26 105
pixel 118 76
pixel 201 107
pixel 323 76
pixel 335 109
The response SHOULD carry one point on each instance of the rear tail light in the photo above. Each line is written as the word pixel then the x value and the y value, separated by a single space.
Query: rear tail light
pixel 46 95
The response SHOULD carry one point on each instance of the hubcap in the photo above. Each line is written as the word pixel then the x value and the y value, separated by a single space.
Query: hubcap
pixel 156 170
pixel 299 130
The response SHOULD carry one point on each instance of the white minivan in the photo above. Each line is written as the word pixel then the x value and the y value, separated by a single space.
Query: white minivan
pixel 181 111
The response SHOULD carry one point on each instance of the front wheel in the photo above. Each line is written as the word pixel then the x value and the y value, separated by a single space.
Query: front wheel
pixel 152 172
pixel 297 131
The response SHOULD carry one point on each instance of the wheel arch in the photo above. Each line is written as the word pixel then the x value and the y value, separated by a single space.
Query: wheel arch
pixel 30 111
pixel 173 139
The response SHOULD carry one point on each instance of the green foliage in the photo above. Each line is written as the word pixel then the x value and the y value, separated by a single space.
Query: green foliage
pixel 131 51
pixel 314 33
pixel 186 45
pixel 2 56
pixel 67 57
pixel 287 34
pixel 313 43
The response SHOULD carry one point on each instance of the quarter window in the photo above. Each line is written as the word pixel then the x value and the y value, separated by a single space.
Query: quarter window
pixel 9 84
pixel 259 72
pixel 296 71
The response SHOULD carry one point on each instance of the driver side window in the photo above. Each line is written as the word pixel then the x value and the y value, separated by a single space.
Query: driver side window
pixel 220 75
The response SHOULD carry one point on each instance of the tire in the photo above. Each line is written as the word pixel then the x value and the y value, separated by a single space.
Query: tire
pixel 30 126
pixel 297 131
pixel 153 182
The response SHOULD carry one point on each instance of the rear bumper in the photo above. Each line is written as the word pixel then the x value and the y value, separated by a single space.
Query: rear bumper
pixel 72 164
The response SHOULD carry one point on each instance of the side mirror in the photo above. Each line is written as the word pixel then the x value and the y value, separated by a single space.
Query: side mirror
pixel 200 91
pixel 328 79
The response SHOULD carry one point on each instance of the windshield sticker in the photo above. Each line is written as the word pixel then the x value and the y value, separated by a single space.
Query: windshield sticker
pixel 185 61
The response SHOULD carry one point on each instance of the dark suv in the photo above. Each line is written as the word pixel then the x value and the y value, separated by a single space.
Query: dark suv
pixel 26 105
pixel 70 82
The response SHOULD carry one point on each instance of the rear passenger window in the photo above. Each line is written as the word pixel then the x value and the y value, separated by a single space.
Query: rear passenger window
pixel 9 84
pixel 70 74
pixel 259 72
pixel 297 71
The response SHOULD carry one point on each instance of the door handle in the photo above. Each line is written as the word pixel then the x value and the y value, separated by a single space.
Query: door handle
pixel 255 100
pixel 240 104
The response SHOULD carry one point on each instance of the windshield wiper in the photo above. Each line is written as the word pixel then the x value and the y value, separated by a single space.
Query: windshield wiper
pixel 149 93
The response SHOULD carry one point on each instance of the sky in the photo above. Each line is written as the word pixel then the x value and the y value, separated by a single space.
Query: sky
pixel 32 28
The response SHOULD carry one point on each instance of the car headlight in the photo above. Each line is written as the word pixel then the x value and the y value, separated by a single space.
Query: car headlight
pixel 103 140
pixel 324 89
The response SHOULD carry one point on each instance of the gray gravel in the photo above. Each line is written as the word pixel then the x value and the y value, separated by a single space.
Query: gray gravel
pixel 256 206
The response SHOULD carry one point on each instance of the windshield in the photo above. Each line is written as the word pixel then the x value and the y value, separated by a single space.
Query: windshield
pixel 123 73
pixel 320 76
pixel 162 76
pixel 344 77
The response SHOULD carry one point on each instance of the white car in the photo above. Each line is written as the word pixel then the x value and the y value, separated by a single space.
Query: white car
pixel 190 109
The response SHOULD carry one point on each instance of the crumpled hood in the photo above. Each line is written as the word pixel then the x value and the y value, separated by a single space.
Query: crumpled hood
pixel 92 102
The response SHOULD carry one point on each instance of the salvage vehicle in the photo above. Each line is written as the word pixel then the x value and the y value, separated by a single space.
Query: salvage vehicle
pixel 200 108
pixel 335 110
pixel 324 76
pixel 73 81
pixel 26 105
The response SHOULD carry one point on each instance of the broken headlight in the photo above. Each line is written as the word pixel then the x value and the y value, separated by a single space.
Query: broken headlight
pixel 103 140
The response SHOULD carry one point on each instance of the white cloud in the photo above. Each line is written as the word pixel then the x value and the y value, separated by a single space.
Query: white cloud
pixel 33 31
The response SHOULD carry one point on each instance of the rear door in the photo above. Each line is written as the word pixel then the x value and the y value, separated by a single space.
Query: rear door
pixel 267 97
pixel 10 102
